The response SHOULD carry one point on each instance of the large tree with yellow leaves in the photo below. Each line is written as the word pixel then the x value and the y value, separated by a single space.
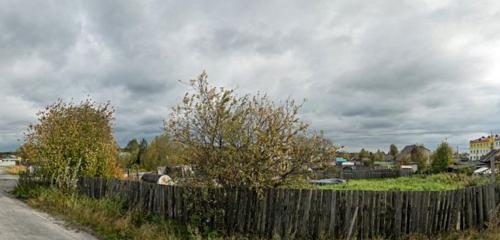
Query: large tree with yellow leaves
pixel 244 140
pixel 71 140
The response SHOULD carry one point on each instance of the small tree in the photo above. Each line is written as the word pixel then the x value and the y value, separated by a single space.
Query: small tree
pixel 379 156
pixel 244 141
pixel 161 152
pixel 72 140
pixel 393 150
pixel 365 157
pixel 132 146
pixel 344 155
pixel 405 160
pixel 420 157
pixel 443 157
pixel 129 155
pixel 133 154
pixel 363 154
pixel 141 151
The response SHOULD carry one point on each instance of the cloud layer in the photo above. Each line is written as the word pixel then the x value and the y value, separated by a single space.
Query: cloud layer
pixel 372 73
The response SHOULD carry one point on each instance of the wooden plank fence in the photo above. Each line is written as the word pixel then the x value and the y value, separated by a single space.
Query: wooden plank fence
pixel 316 214
pixel 373 173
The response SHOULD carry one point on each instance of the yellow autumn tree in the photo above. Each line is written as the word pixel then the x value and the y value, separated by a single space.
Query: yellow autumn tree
pixel 71 140
pixel 162 152
pixel 244 140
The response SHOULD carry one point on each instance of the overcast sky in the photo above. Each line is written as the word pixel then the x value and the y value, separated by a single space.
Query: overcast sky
pixel 372 72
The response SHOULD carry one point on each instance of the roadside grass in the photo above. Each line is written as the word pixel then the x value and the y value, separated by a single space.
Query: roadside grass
pixel 492 232
pixel 27 191
pixel 16 170
pixel 109 218
pixel 436 182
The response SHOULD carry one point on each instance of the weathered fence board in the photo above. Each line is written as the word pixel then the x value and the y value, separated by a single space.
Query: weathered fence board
pixel 311 213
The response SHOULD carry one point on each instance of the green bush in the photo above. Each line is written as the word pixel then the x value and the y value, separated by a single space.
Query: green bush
pixel 442 158
pixel 27 190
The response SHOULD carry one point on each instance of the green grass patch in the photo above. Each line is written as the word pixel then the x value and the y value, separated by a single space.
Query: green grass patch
pixel 27 190
pixel 437 182
pixel 107 218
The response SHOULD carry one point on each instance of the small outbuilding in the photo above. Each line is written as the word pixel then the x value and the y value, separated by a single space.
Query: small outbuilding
pixel 8 161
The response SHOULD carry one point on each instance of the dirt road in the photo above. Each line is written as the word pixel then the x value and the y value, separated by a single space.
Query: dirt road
pixel 19 221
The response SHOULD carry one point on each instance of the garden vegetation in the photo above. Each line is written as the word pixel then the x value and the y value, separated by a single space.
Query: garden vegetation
pixel 436 182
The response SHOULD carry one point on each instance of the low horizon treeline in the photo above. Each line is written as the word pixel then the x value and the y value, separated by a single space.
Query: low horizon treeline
pixel 141 154
pixel 427 161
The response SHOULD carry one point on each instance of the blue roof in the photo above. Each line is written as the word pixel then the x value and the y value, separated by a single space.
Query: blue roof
pixel 339 159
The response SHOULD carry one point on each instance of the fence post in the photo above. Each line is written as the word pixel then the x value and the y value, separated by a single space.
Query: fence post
pixel 353 221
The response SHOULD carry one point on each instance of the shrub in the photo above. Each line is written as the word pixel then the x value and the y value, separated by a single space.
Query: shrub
pixel 71 140
pixel 443 157
pixel 27 190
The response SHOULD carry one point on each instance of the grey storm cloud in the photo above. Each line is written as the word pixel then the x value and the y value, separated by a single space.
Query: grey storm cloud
pixel 372 73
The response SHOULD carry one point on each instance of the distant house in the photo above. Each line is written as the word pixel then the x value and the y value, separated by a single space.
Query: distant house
pixel 384 164
pixel 11 160
pixel 493 155
pixel 349 165
pixel 409 153
pixel 340 160
pixel 413 168
pixel 388 158
pixel 461 166
pixel 484 164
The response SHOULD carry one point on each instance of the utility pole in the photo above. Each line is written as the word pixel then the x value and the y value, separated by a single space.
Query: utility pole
pixel 493 159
